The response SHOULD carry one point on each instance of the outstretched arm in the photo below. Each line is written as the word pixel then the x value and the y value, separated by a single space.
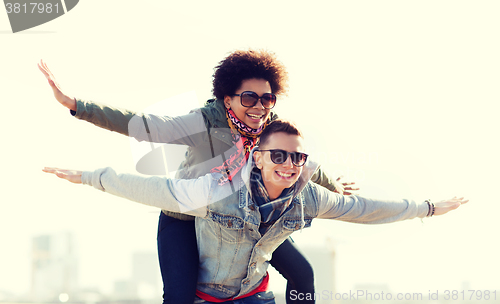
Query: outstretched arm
pixel 182 196
pixel 358 209
pixel 188 129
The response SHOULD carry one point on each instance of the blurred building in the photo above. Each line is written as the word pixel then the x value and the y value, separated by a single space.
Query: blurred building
pixel 125 290
pixel 54 270
pixel 146 275
pixel 145 283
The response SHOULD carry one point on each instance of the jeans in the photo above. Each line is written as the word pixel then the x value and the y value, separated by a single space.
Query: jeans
pixel 258 298
pixel 178 257
pixel 293 266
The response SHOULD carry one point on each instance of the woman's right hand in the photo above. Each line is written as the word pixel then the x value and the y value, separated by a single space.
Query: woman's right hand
pixel 63 99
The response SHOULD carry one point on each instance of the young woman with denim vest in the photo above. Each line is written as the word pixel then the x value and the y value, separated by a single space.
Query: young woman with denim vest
pixel 245 86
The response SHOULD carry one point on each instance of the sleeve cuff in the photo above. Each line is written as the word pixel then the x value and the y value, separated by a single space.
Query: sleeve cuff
pixel 87 178
pixel 93 178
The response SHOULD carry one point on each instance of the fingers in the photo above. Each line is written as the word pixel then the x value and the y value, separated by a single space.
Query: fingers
pixel 40 67
pixel 70 175
pixel 351 188
pixel 45 70
pixel 451 202
pixel 44 67
pixel 459 200
pixel 347 184
pixel 445 206
pixel 56 171
pixel 59 172
pixel 50 170
pixel 346 187
pixel 60 96
pixel 350 193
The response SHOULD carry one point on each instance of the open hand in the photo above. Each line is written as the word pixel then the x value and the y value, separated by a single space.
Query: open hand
pixel 445 206
pixel 63 98
pixel 344 188
pixel 73 176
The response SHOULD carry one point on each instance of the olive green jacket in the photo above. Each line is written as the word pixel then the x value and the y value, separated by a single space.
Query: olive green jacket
pixel 205 131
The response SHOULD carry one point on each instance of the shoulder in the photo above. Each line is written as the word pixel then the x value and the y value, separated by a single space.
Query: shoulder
pixel 310 192
pixel 214 113
pixel 309 197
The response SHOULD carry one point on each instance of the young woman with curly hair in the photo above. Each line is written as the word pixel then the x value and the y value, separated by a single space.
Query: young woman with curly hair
pixel 219 136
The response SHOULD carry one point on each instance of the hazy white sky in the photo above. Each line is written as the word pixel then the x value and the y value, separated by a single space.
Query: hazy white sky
pixel 399 96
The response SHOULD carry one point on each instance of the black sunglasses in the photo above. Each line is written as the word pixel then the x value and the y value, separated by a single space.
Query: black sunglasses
pixel 249 99
pixel 279 156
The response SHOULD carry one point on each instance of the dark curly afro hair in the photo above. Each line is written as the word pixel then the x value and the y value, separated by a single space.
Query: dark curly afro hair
pixel 242 65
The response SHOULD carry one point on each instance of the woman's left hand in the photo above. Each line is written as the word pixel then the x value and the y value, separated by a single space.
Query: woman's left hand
pixel 73 176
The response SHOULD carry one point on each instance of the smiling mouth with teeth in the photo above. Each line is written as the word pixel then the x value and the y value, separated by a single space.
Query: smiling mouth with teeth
pixel 286 175
pixel 255 116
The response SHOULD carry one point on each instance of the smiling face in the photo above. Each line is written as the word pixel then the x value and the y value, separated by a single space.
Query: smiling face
pixel 277 177
pixel 255 116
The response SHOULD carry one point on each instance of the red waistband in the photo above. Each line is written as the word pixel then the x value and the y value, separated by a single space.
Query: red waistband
pixel 262 287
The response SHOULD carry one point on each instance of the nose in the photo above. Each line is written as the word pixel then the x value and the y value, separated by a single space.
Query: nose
pixel 259 104
pixel 288 162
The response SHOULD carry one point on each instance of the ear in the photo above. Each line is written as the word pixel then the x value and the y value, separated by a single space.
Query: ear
pixel 227 101
pixel 257 156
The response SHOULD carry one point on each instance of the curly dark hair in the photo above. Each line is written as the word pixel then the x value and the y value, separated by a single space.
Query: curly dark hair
pixel 242 65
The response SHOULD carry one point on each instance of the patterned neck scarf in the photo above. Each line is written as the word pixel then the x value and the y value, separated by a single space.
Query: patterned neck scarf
pixel 270 211
pixel 244 138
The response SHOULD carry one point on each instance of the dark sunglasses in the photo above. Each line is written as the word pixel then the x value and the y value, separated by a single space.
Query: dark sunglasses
pixel 249 99
pixel 279 156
